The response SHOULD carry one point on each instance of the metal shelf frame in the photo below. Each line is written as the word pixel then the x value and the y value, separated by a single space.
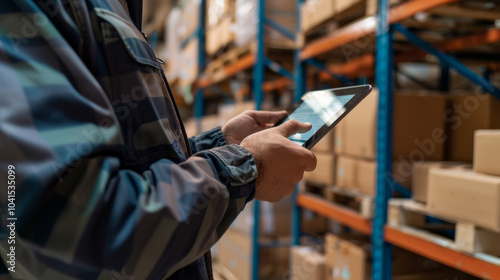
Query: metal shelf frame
pixel 259 62
pixel 383 63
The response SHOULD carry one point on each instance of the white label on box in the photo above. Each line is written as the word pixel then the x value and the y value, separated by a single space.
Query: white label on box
pixel 336 272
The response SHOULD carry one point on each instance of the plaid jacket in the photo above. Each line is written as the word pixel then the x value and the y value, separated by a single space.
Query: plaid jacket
pixel 106 185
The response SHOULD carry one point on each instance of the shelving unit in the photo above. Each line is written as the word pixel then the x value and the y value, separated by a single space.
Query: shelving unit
pixel 382 63
pixel 258 61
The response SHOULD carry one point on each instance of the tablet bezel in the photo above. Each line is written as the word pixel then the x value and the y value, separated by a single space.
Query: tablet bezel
pixel 360 92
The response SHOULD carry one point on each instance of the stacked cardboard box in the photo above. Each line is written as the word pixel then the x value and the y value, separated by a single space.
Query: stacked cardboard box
pixel 315 12
pixel 234 252
pixel 470 195
pixel 324 174
pixel 467 113
pixel 348 257
pixel 220 18
pixel 418 119
pixel 281 12
pixel 307 263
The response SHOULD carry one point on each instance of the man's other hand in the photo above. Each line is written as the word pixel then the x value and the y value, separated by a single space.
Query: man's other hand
pixel 249 122
pixel 280 162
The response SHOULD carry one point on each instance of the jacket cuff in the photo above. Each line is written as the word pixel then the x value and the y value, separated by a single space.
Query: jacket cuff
pixel 241 165
pixel 208 140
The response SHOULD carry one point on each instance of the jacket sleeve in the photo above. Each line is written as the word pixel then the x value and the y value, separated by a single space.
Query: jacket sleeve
pixel 207 140
pixel 79 211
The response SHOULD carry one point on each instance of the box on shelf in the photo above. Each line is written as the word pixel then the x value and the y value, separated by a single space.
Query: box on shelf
pixel 173 45
pixel 413 131
pixel 361 174
pixel 234 252
pixel 324 174
pixel 220 35
pixel 326 144
pixel 466 114
pixel 464 195
pixel 356 133
pixel 275 219
pixel 314 12
pixel 419 125
pixel 307 263
pixel 345 259
pixel 487 152
pixel 420 178
pixel 217 9
pixel 190 18
pixel 282 12
pixel 346 172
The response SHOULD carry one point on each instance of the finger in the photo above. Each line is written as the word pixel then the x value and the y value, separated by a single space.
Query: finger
pixel 292 127
pixel 265 117
pixel 310 161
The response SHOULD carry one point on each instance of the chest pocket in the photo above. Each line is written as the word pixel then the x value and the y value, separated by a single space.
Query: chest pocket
pixel 118 30
pixel 138 93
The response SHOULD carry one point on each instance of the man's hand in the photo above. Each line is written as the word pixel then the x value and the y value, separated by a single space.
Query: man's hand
pixel 249 122
pixel 280 162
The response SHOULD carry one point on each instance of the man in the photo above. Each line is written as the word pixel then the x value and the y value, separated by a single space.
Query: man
pixel 105 182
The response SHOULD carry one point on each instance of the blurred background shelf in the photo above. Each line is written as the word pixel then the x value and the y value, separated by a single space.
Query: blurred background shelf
pixel 431 61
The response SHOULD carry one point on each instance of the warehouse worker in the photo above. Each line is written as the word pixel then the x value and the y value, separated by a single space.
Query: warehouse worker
pixel 102 182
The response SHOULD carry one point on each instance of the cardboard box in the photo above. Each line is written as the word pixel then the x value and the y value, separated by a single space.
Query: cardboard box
pixel 418 126
pixel 346 172
pixel 307 263
pixel 345 260
pixel 420 178
pixel 487 152
pixel 234 252
pixel 342 5
pixel 324 174
pixel 467 113
pixel 314 12
pixel 326 144
pixel 217 9
pixel 464 195
pixel 366 177
pixel 361 174
pixel 359 129
pixel 414 133
pixel 275 219
pixel 190 18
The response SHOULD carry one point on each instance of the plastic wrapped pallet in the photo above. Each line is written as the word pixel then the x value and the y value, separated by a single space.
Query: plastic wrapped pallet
pixel 190 18
pixel 282 12
pixel 173 44
pixel 217 9
pixel 189 63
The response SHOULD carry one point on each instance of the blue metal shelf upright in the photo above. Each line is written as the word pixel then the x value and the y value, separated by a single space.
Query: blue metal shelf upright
pixel 386 25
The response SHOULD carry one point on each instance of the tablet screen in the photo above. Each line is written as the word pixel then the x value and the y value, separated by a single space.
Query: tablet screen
pixel 318 108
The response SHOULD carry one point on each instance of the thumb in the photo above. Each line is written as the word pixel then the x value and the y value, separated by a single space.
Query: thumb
pixel 292 127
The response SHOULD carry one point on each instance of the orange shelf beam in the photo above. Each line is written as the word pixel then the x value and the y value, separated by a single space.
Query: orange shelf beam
pixel 443 255
pixel 278 84
pixel 329 210
pixel 228 71
pixel 367 27
pixel 364 65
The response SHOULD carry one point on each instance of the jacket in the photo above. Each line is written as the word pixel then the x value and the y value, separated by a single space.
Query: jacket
pixel 102 180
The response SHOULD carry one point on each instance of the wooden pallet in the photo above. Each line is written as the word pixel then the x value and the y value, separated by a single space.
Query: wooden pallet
pixel 351 199
pixel 229 57
pixel 409 216
pixel 223 273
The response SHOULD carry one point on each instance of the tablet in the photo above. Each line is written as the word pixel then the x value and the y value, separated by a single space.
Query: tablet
pixel 324 109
